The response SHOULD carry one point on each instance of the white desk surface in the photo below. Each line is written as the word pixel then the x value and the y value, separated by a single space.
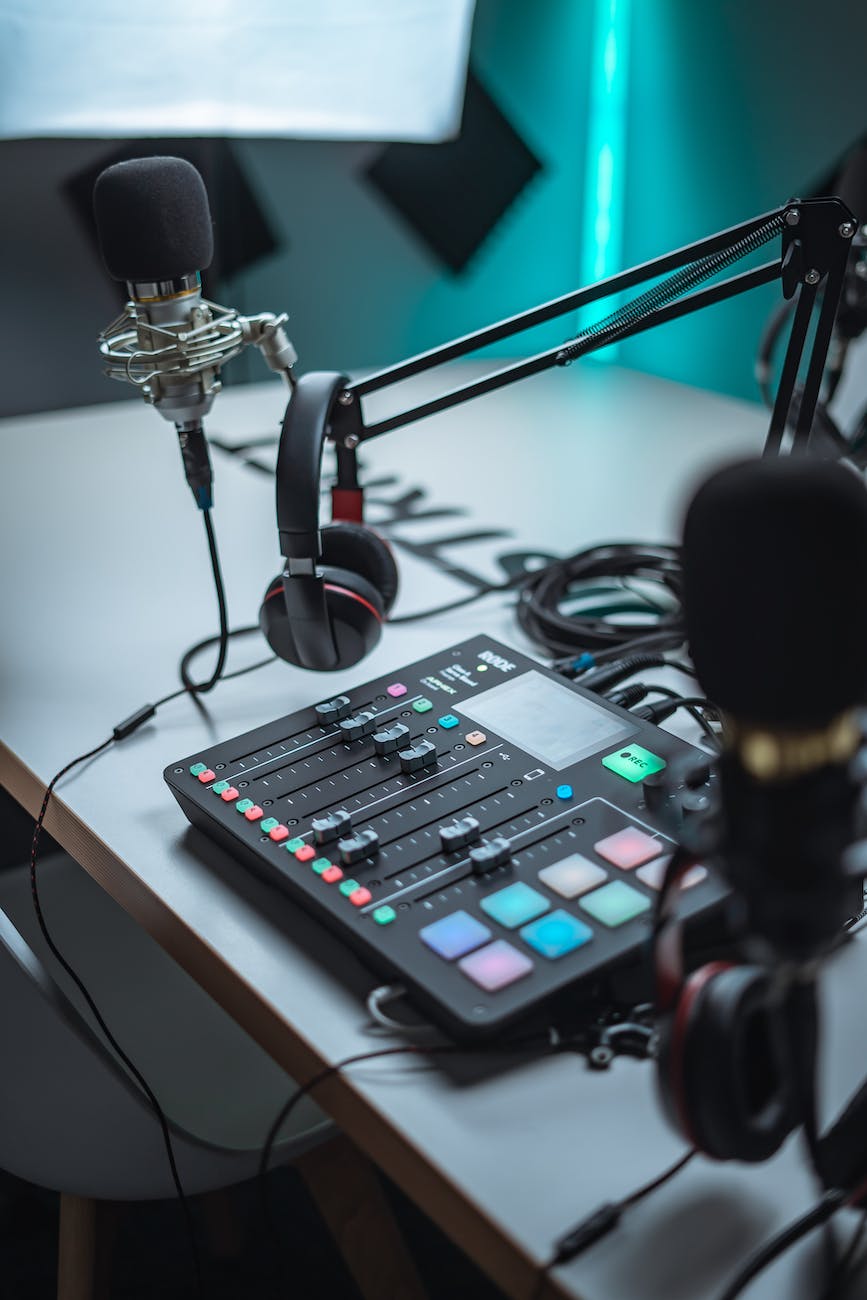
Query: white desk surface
pixel 106 581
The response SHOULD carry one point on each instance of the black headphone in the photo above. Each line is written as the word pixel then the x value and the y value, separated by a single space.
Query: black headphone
pixel 722 1071
pixel 326 609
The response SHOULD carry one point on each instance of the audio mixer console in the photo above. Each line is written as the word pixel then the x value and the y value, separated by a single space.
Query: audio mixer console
pixel 475 826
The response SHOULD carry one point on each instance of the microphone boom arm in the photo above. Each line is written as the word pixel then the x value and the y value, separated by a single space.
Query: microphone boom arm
pixel 816 235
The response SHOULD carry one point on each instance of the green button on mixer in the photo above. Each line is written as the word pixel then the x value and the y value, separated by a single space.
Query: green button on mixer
pixel 633 763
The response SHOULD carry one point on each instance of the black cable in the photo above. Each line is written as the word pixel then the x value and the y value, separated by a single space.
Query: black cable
pixel 652 641
pixel 200 688
pixel 820 1213
pixel 652 1185
pixel 693 704
pixel 110 1038
pixel 845 1262
pixel 544 592
pixel 603 1220
pixel 417 1049
pixel 120 731
pixel 562 1250
pixel 189 656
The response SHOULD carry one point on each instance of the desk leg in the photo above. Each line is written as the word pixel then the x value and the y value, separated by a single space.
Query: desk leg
pixel 345 1186
pixel 76 1251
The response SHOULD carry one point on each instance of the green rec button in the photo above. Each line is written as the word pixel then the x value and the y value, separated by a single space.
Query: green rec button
pixel 633 763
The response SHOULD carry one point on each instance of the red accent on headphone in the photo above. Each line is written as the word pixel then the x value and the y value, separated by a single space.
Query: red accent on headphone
pixel 682 1016
pixel 668 942
pixel 347 505
pixel 858 1198
pixel 344 591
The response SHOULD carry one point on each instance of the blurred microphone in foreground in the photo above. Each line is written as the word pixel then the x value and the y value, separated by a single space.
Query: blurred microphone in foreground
pixel 154 228
pixel 775 598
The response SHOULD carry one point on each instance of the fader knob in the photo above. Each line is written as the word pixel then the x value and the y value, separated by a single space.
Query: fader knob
pixel 418 756
pixel 360 724
pixel 391 738
pixel 491 853
pixel 333 710
pixel 459 833
pixel 331 825
pixel 364 844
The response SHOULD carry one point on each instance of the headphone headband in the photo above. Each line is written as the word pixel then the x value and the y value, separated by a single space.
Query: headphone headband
pixel 299 462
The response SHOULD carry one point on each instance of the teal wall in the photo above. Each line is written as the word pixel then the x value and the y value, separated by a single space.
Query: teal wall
pixel 734 108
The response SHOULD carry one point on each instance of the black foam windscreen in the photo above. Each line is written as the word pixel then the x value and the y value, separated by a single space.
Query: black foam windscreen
pixel 775 590
pixel 153 219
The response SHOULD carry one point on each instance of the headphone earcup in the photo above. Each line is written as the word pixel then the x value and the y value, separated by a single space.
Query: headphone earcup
pixel 362 551
pixel 721 1079
pixel 353 619
pixel 356 612
pixel 276 624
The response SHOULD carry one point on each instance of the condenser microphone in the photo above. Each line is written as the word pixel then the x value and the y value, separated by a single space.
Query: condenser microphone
pixel 155 233
pixel 775 603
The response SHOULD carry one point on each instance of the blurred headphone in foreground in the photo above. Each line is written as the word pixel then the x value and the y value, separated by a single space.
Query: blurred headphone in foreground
pixel 721 1069
pixel 326 609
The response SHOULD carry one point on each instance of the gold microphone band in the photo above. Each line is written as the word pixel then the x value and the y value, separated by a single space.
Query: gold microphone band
pixel 778 755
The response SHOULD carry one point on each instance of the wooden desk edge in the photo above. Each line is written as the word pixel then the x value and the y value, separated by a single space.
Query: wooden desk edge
pixel 429 1187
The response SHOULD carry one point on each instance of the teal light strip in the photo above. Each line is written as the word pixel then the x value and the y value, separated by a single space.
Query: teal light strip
pixel 605 176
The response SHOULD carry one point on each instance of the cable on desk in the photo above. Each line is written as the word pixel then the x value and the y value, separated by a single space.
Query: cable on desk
pixel 405 1049
pixel 843 1268
pixel 598 1224
pixel 602 628
pixel 200 688
pixel 820 1213
pixel 120 731
pixel 110 1038
pixel 200 646
pixel 694 704
pixel 605 572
